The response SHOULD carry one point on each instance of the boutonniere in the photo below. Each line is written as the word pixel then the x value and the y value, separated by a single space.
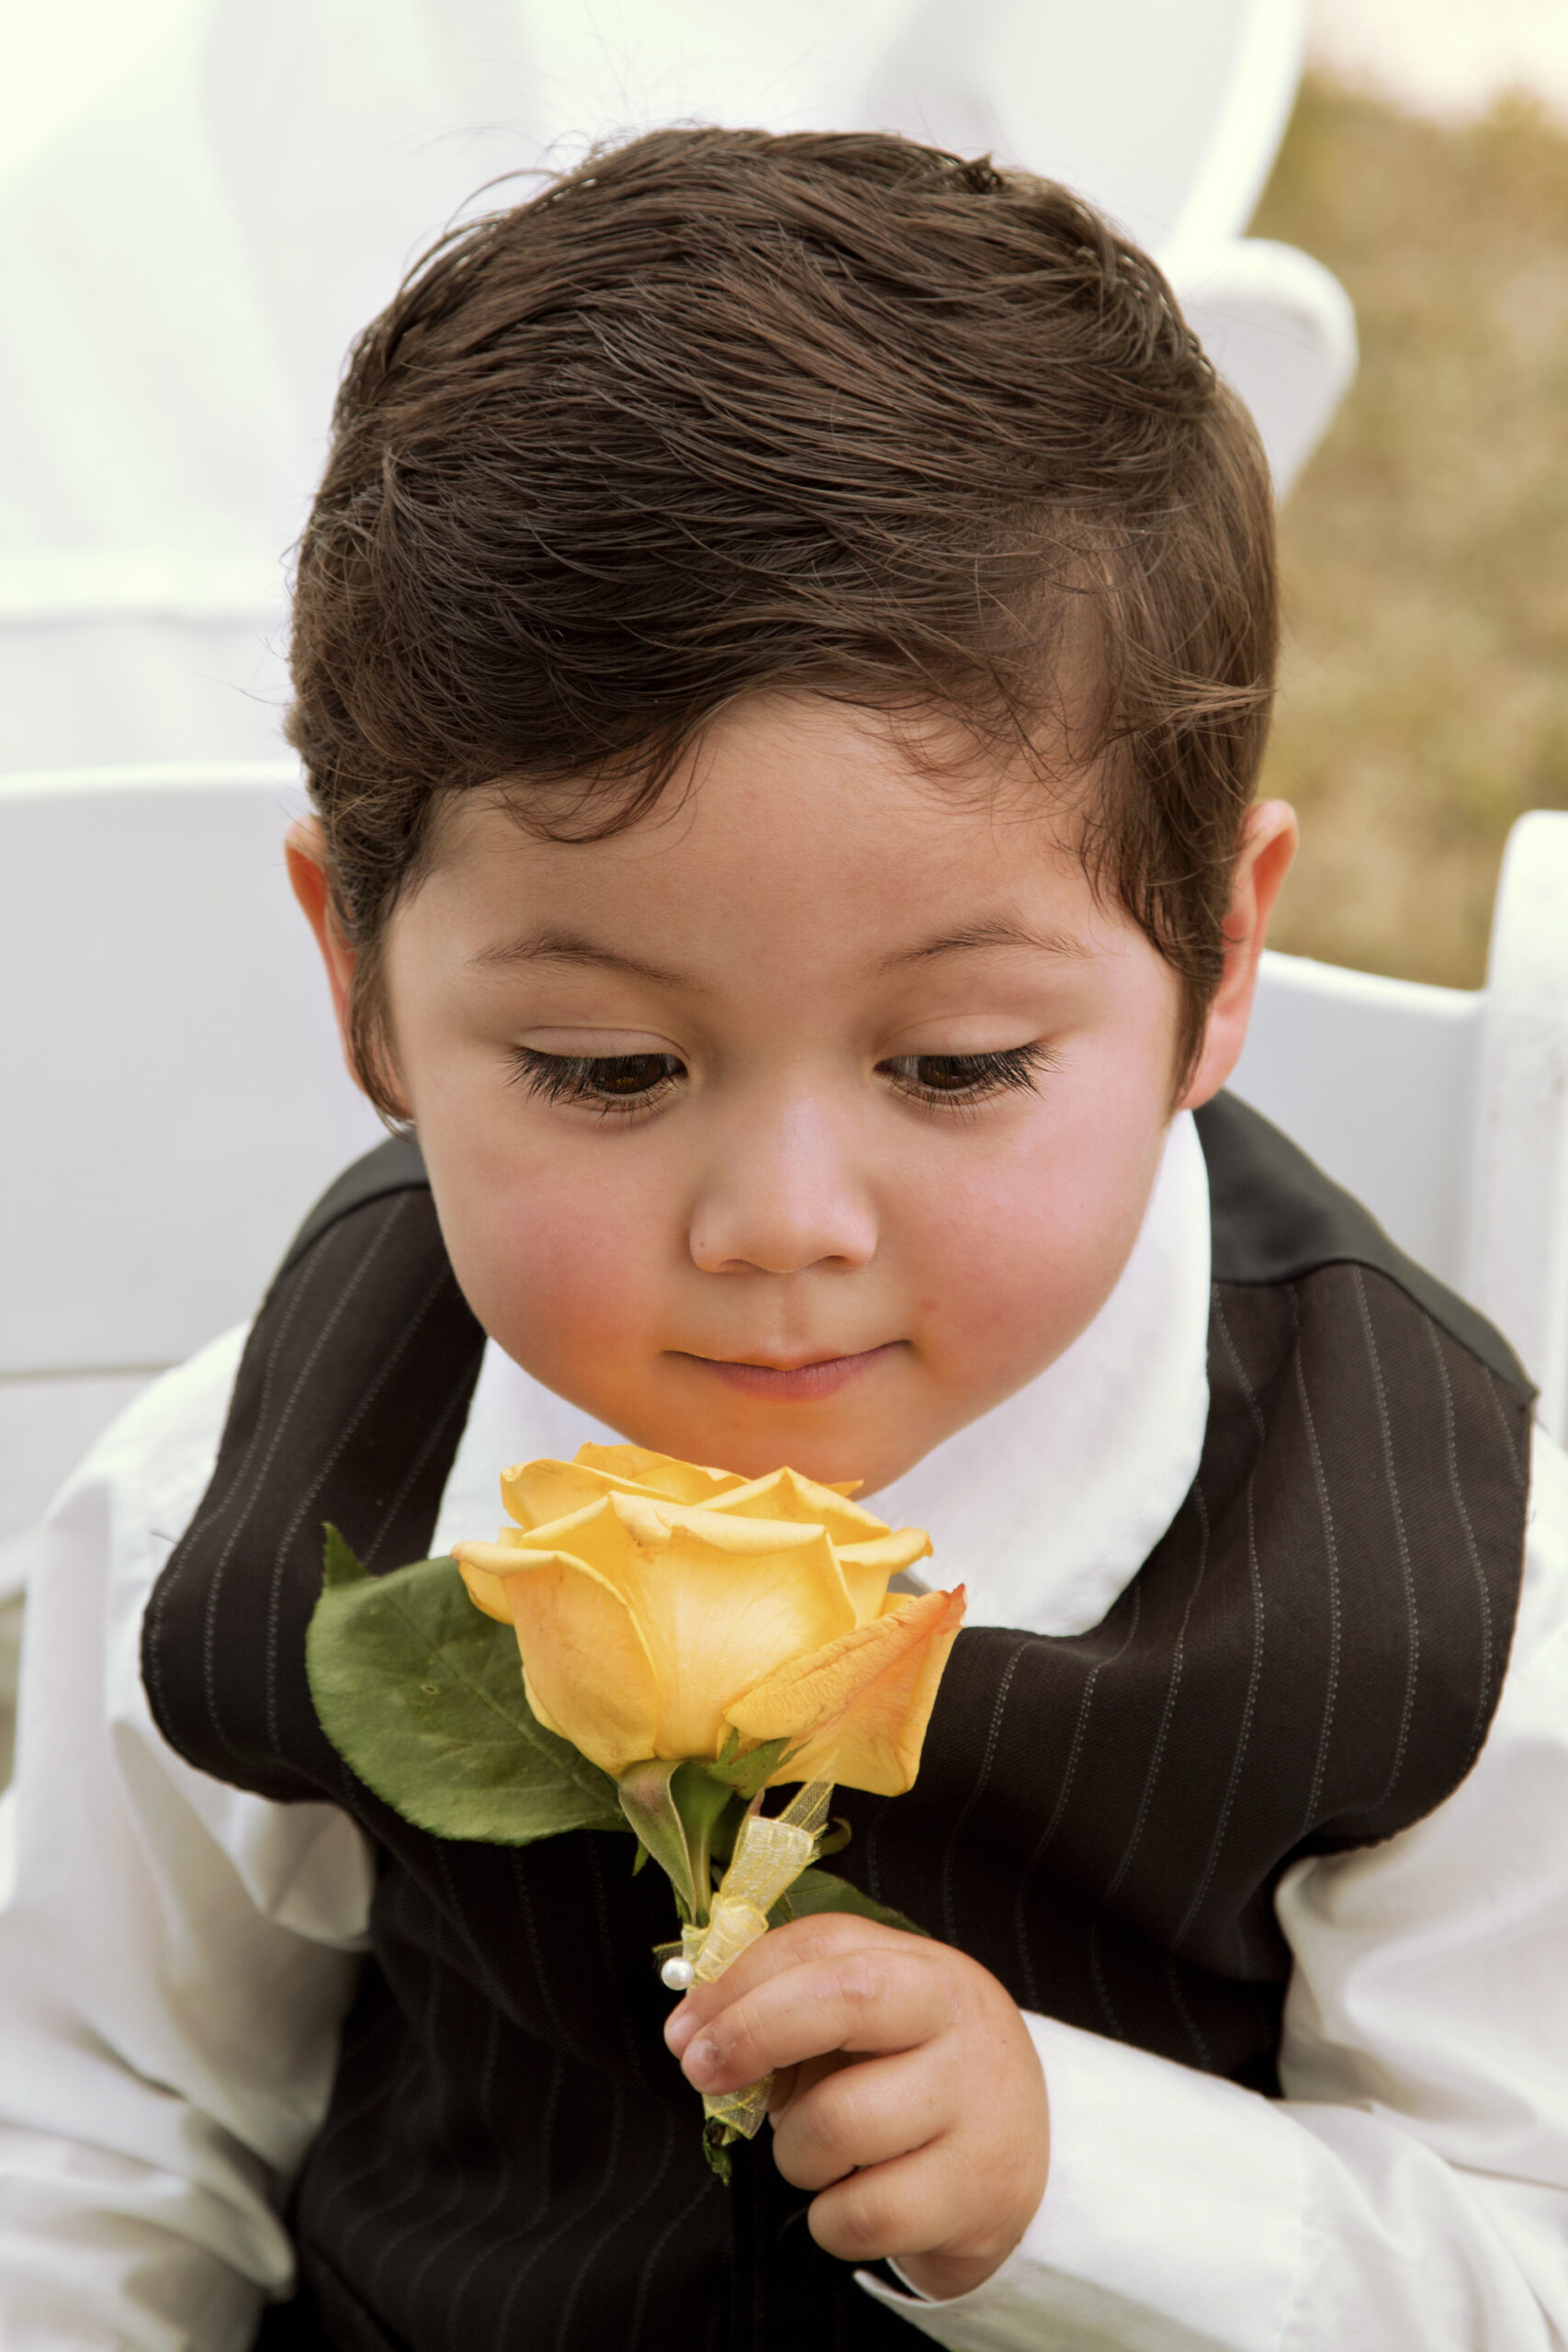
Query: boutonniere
pixel 688 1641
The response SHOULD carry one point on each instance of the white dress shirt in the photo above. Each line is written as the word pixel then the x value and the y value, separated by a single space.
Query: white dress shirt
pixel 177 1956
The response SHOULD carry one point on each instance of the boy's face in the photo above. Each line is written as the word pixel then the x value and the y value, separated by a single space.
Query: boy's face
pixel 803 1121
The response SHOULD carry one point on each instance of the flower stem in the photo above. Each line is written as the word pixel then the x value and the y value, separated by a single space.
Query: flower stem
pixel 702 1803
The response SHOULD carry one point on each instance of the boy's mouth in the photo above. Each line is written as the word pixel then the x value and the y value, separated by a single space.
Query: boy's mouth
pixel 792 1383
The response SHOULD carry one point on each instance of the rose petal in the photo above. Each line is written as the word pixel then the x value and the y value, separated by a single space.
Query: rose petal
pixel 741 1538
pixel 586 1666
pixel 720 1603
pixel 660 1473
pixel 863 1703
pixel 486 1589
pixel 867 1568
pixel 540 1713
pixel 538 1492
pixel 785 1494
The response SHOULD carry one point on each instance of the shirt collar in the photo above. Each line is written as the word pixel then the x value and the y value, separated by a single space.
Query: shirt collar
pixel 1048 1505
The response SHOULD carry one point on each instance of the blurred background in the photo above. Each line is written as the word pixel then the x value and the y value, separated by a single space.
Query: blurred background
pixel 1425 543
pixel 1425 164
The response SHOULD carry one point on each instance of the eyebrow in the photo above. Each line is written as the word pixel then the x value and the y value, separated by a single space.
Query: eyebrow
pixel 575 948
pixel 978 935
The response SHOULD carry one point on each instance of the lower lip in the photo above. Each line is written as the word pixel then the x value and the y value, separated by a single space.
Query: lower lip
pixel 802 1385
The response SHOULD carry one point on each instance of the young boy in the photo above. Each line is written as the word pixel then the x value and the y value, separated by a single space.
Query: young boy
pixel 783 653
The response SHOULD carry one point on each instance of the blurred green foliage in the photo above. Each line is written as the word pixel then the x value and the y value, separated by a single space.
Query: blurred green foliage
pixel 1425 700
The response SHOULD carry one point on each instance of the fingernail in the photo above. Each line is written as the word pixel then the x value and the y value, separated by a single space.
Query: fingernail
pixel 700 2062
pixel 679 2027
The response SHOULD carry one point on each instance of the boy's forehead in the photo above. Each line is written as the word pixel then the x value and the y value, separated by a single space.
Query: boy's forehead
pixel 806 878
pixel 786 808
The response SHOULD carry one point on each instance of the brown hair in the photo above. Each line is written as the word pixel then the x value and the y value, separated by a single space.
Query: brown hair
pixel 720 411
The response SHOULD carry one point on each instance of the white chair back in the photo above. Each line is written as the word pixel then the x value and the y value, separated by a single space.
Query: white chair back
pixel 1376 1079
pixel 175 1091
pixel 1446 1111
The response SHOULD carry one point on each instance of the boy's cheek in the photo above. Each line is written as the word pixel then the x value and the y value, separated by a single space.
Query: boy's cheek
pixel 551 1245
pixel 1024 1265
pixel 581 1317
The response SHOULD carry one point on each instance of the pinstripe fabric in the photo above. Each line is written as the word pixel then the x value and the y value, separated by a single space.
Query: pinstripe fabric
pixel 1309 1659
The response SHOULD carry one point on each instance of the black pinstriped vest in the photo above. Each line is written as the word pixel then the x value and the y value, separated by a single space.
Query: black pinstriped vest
pixel 1309 1659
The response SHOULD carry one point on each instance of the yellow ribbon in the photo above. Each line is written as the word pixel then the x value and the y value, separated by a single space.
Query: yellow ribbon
pixel 769 1854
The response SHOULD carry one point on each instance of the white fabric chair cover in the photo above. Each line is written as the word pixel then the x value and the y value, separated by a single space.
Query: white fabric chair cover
pixel 188 254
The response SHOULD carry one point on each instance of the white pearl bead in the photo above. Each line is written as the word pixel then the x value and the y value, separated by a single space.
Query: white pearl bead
pixel 678 1975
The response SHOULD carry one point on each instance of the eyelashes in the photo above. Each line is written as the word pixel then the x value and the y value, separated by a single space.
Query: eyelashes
pixel 964 1079
pixel 612 1084
pixel 618 1085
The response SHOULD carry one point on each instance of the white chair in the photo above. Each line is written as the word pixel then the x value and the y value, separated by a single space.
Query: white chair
pixel 1444 1109
pixel 250 187
pixel 175 1096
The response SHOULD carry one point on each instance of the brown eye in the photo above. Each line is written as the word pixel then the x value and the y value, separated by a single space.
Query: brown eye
pixel 951 1073
pixel 606 1083
pixel 623 1074
pixel 963 1079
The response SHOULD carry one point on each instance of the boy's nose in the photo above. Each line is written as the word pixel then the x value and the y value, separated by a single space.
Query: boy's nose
pixel 781 1194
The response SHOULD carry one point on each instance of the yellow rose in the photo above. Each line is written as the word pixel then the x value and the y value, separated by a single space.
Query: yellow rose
pixel 660 1607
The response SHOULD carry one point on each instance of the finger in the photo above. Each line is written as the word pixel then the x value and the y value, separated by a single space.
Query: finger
pixel 793 2082
pixel 861 2115
pixel 871 2001
pixel 856 2001
pixel 901 2207
pixel 822 1937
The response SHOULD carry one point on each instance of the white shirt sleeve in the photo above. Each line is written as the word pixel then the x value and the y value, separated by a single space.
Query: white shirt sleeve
pixel 175 1956
pixel 1411 2189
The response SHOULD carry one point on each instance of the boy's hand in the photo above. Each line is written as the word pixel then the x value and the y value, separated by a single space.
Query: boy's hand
pixel 907 2091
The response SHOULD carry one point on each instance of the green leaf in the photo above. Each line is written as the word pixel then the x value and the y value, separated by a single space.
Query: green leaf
pixel 341 1564
pixel 718 2140
pixel 701 1802
pixel 422 1694
pixel 816 1891
pixel 745 1774
pixel 648 1804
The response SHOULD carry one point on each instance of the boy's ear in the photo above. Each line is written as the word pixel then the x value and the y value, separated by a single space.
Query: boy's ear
pixel 1267 846
pixel 305 854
